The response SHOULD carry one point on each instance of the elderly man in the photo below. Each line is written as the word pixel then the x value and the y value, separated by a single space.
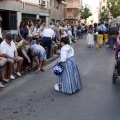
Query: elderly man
pixel 8 50
pixel 38 51
pixel 47 36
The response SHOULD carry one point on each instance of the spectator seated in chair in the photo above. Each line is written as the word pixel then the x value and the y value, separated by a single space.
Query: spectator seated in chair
pixel 23 52
pixel 8 50
pixel 71 37
pixel 3 66
pixel 54 47
pixel 2 69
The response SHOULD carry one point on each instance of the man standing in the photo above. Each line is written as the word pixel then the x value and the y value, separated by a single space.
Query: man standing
pixel 79 31
pixel 8 50
pixel 113 33
pixel 47 35
pixel 101 31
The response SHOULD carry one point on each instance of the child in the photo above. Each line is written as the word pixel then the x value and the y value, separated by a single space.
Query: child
pixel 90 38
pixel 70 80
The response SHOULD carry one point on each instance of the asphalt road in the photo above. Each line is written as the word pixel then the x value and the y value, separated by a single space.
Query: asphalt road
pixel 32 97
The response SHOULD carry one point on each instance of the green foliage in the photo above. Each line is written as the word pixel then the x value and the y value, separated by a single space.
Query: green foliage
pixel 91 21
pixel 104 15
pixel 114 7
pixel 85 12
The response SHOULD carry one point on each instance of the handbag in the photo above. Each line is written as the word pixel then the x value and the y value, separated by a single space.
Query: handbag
pixel 2 61
pixel 58 69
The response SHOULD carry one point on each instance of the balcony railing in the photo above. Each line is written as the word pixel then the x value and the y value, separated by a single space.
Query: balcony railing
pixel 72 16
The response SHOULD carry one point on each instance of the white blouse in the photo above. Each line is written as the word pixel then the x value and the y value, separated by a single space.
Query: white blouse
pixel 66 52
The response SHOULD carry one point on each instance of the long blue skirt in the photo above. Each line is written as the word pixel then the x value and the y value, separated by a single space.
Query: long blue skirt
pixel 70 80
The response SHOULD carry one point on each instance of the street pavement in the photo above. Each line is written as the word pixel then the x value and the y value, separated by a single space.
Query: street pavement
pixel 32 97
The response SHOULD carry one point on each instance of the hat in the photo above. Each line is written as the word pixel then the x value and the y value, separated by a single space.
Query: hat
pixel 90 26
pixel 2 61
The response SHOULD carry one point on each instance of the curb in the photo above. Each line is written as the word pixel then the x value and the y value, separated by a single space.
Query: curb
pixel 32 69
pixel 48 61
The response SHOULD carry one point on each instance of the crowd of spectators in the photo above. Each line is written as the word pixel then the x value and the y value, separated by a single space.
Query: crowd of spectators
pixel 34 42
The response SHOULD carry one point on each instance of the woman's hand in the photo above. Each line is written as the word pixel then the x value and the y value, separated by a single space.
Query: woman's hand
pixel 29 60
pixel 58 62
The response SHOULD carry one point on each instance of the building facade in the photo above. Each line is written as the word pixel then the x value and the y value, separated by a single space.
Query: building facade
pixel 103 6
pixel 14 11
pixel 56 11
pixel 72 14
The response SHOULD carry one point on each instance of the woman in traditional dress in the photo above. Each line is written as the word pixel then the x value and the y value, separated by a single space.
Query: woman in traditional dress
pixel 90 38
pixel 70 80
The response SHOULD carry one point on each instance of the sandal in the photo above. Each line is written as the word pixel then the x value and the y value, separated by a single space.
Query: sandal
pixel 42 70
pixel 1 85
pixel 27 69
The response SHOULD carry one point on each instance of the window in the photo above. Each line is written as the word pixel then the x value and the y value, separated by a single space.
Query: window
pixel 9 20
pixel 26 17
pixel 103 7
pixel 43 19
pixel 12 20
pixel 53 20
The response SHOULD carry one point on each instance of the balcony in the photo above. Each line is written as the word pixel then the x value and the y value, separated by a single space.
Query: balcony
pixel 72 16
pixel 73 4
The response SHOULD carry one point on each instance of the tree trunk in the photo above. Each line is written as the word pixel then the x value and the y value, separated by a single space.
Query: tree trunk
pixel 85 21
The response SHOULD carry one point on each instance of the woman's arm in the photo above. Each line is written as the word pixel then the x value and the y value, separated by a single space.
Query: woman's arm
pixel 25 54
pixel 20 34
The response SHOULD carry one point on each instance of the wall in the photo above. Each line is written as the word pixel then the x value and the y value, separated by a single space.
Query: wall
pixel 32 9
pixel 57 14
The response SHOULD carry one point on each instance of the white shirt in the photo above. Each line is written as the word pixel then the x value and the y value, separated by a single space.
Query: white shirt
pixel 101 27
pixel 66 52
pixel 69 33
pixel 8 49
pixel 36 32
pixel 48 32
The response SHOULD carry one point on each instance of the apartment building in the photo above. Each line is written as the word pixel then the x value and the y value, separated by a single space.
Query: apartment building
pixel 56 10
pixel 13 11
pixel 102 6
pixel 72 11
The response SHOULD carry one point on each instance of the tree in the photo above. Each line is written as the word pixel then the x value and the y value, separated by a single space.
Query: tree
pixel 114 7
pixel 85 12
pixel 104 15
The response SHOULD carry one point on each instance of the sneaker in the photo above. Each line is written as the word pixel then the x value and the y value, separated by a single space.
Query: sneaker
pixel 5 80
pixel 18 74
pixel 12 77
pixel 56 86
pixel 1 85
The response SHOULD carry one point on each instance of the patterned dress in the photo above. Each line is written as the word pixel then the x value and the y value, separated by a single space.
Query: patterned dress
pixel 70 80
